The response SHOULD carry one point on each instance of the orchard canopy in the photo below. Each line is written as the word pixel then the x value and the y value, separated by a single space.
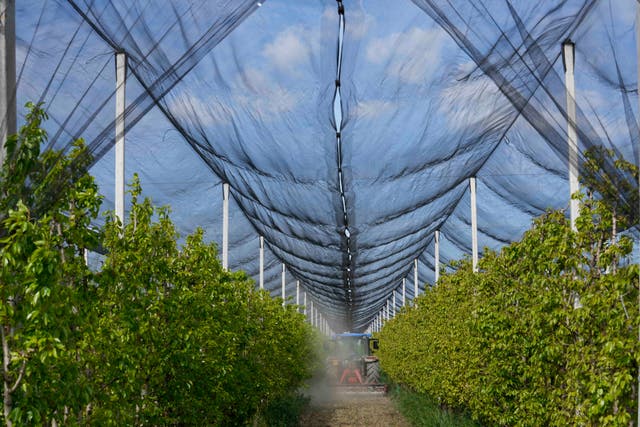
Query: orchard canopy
pixel 347 131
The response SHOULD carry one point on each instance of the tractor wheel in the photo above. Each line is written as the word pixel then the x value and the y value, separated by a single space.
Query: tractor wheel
pixel 373 372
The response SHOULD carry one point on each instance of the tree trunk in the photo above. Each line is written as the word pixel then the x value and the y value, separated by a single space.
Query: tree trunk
pixel 6 390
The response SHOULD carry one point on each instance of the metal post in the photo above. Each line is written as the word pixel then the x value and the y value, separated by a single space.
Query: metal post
pixel 121 86
pixel 415 278
pixel 311 312
pixel 225 226
pixel 261 262
pixel 474 225
pixel 568 59
pixel 297 295
pixel 314 314
pixel 436 268
pixel 284 283
pixel 7 72
pixel 305 304
pixel 404 291
pixel 393 312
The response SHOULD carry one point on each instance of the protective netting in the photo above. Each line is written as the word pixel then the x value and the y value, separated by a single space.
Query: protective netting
pixel 347 173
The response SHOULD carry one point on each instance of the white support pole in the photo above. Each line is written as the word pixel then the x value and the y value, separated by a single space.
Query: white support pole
pixel 261 262
pixel 7 72
pixel 311 312
pixel 474 225
pixel 305 304
pixel 415 278
pixel 121 86
pixel 568 57
pixel 297 294
pixel 225 226
pixel 314 316
pixel 404 291
pixel 436 269
pixel 393 312
pixel 388 309
pixel 284 283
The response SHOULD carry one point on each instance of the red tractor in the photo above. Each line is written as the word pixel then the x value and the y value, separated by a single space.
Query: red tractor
pixel 352 367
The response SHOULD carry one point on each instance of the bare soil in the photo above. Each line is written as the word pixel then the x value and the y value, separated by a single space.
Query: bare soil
pixel 353 411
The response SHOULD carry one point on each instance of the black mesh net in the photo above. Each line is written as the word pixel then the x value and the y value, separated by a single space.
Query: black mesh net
pixel 347 130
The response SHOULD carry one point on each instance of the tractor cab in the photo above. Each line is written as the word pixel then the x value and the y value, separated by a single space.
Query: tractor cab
pixel 350 345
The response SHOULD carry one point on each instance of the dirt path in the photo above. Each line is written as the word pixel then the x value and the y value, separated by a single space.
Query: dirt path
pixel 353 411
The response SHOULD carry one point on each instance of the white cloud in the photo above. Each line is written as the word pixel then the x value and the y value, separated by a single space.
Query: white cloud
pixel 266 97
pixel 413 56
pixel 373 108
pixel 290 48
pixel 208 112
pixel 472 103
pixel 277 101
pixel 255 80
pixel 358 24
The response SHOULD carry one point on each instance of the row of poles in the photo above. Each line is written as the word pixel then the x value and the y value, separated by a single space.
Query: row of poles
pixel 389 311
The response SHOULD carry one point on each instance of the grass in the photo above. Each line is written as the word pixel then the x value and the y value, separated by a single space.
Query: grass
pixel 421 410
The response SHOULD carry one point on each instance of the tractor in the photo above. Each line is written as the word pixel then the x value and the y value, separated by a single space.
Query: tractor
pixel 351 365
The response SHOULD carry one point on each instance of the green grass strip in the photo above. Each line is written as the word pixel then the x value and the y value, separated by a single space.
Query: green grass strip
pixel 421 410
